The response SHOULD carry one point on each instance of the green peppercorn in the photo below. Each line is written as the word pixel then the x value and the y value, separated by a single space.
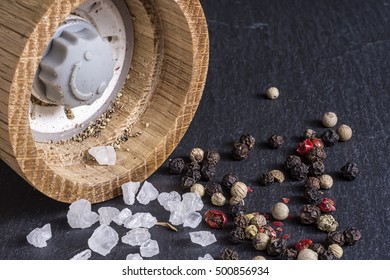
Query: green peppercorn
pixel 250 231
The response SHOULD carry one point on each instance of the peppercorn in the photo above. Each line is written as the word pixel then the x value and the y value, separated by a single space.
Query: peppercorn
pixel 345 132
pixel 327 255
pixel 241 221
pixel 208 171
pixel 309 214
pixel 278 175
pixel 215 218
pixel 260 241
pixel 218 199
pixel 248 140
pixel 311 195
pixel 307 254
pixel 196 154
pixel 193 170
pixel 272 93
pixel 276 246
pixel 330 137
pixel 236 210
pixel 235 199
pixel 267 179
pixel 213 187
pixel 250 231
pixel 259 258
pixel 250 216
pixel 228 180
pixel 239 189
pixel 329 119
pixel 240 151
pixel 292 161
pixel 187 182
pixel 336 237
pixel 268 230
pixel 289 254
pixel 212 157
pixel 317 168
pixel 198 188
pixel 327 205
pixel 350 171
pixel 299 172
pixel 280 211
pixel 237 235
pixel 336 250
pixel 327 223
pixel 228 254
pixel 258 221
pixel 176 166
pixel 316 154
pixel 318 248
pixel 302 244
pixel 312 182
pixel 310 134
pixel 326 181
pixel 304 147
pixel 276 141
pixel 352 236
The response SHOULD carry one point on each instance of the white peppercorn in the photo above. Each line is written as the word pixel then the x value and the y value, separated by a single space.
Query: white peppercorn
pixel 218 199
pixel 326 181
pixel 327 223
pixel 235 199
pixel 239 189
pixel 198 188
pixel 196 154
pixel 280 211
pixel 258 258
pixel 329 119
pixel 278 175
pixel 260 241
pixel 272 93
pixel 307 254
pixel 345 132
pixel 336 250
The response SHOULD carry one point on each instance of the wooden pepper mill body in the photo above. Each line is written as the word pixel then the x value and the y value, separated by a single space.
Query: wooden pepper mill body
pixel 160 97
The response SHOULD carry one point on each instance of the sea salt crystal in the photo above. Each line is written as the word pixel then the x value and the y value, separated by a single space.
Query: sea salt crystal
pixel 147 193
pixel 176 206
pixel 103 239
pixel 149 248
pixel 192 202
pixel 122 216
pixel 164 197
pixel 80 214
pixel 39 236
pixel 176 218
pixel 206 257
pixel 192 220
pixel 104 155
pixel 136 237
pixel 140 219
pixel 129 191
pixel 203 238
pixel 84 255
pixel 134 257
pixel 107 214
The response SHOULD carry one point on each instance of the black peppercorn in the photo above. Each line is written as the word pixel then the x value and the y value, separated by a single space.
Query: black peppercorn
pixel 237 235
pixel 327 256
pixel 241 221
pixel 213 187
pixel 350 171
pixel 187 182
pixel 289 254
pixel 228 254
pixel 318 248
pixel 228 180
pixel 311 195
pixel 193 170
pixel 336 237
pixel 276 246
pixel 267 179
pixel 237 209
pixel 248 140
pixel 313 182
pixel 176 166
pixel 316 154
pixel 240 151
pixel 208 171
pixel 330 137
pixel 292 161
pixel 317 168
pixel 299 172
pixel 212 157
pixel 309 214
pixel 352 236
pixel 276 141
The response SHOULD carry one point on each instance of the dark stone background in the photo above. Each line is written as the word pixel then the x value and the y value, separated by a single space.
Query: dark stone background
pixel 323 55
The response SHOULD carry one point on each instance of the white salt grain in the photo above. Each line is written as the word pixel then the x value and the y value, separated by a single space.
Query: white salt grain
pixel 80 214
pixel 203 238
pixel 84 255
pixel 138 220
pixel 107 214
pixel 149 248
pixel 122 216
pixel 206 257
pixel 104 155
pixel 103 239
pixel 134 257
pixel 147 193
pixel 164 197
pixel 129 191
pixel 136 237
pixel 192 220
pixel 39 236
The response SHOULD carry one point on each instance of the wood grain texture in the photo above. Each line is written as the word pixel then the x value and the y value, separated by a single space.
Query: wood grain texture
pixel 164 88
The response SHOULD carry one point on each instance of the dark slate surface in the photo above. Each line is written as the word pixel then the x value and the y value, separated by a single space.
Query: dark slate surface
pixel 323 56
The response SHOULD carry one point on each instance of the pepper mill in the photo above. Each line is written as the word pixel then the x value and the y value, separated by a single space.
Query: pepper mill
pixel 77 74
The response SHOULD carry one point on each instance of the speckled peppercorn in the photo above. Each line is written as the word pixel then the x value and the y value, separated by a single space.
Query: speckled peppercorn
pixel 276 246
pixel 289 254
pixel 240 151
pixel 276 141
pixel 317 168
pixel 352 236
pixel 327 223
pixel 213 187
pixel 299 172
pixel 310 134
pixel 260 241
pixel 316 154
pixel 237 235
pixel 248 140
pixel 196 154
pixel 228 254
pixel 330 137
pixel 258 221
pixel 350 171
pixel 309 214
pixel 311 195
pixel 292 161
pixel 176 166
pixel 228 180
pixel 312 182
pixel 208 171
pixel 278 175
pixel 268 230
pixel 336 237
pixel 267 179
